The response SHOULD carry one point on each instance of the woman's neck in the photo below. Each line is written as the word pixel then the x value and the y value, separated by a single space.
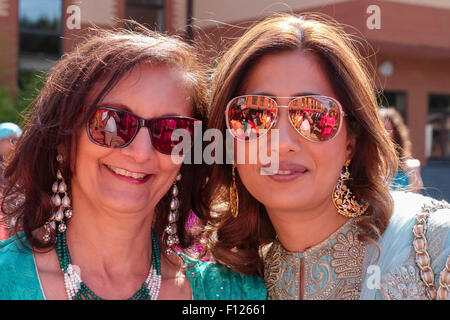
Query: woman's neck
pixel 109 244
pixel 299 229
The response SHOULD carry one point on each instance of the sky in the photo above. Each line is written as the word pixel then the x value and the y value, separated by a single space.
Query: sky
pixel 33 9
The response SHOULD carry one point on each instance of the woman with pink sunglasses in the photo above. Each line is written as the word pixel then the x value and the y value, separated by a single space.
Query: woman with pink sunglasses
pixel 323 224
pixel 100 206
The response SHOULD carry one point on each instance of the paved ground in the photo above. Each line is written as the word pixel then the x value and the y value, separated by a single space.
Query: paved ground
pixel 436 179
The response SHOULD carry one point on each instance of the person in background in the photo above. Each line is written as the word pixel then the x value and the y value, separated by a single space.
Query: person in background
pixel 9 134
pixel 408 176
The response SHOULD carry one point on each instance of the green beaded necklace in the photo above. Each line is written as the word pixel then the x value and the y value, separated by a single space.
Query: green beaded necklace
pixel 83 292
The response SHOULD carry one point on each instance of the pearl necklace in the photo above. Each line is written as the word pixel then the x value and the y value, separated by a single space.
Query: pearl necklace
pixel 76 289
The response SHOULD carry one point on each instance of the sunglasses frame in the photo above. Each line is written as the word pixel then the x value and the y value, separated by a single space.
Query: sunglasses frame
pixel 341 119
pixel 141 122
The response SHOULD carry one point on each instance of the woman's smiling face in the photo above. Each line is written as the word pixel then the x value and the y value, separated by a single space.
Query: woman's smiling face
pixel 308 171
pixel 136 177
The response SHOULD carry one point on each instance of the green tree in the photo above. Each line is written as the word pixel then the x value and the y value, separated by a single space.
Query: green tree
pixel 30 83
pixel 8 111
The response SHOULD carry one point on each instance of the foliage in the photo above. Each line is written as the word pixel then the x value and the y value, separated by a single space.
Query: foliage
pixel 8 111
pixel 43 23
pixel 30 83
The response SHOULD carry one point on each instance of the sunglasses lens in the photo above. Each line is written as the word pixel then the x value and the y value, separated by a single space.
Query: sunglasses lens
pixel 250 116
pixel 316 118
pixel 112 128
pixel 162 131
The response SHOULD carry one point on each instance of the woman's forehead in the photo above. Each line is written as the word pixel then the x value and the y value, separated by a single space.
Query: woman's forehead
pixel 287 74
pixel 149 91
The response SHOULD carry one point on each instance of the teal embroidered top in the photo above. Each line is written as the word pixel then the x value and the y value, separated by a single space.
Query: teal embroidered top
pixel 209 281
pixel 213 281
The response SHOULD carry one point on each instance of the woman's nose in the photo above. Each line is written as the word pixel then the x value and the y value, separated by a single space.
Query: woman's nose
pixel 141 148
pixel 288 138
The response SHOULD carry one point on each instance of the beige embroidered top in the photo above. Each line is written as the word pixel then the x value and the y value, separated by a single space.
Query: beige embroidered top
pixel 342 267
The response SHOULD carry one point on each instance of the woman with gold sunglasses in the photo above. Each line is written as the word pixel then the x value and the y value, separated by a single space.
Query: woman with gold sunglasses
pixel 323 224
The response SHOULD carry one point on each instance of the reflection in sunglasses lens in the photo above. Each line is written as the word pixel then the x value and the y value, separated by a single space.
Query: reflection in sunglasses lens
pixel 163 129
pixel 112 128
pixel 314 117
pixel 116 128
pixel 250 116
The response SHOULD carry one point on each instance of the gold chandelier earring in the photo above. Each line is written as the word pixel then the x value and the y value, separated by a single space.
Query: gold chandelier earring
pixel 343 198
pixel 234 197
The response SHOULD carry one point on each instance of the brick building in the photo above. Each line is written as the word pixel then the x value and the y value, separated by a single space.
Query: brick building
pixel 411 42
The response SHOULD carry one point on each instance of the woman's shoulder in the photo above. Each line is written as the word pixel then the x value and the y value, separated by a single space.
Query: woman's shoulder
pixel 18 277
pixel 215 281
pixel 13 250
pixel 417 222
pixel 407 205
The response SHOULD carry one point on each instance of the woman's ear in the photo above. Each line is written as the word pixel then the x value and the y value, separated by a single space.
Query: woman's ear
pixel 350 147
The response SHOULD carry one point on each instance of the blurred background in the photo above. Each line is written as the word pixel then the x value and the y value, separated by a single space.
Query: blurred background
pixel 406 41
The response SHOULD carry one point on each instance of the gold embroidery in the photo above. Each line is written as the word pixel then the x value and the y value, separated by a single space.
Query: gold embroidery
pixel 348 256
pixel 281 273
pixel 348 291
pixel 402 283
pixel 332 269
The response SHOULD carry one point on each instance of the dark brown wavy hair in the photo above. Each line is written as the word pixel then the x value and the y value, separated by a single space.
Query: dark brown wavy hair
pixel 56 119
pixel 237 241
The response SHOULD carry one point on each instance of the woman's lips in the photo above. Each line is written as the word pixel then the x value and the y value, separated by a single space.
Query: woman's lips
pixel 286 172
pixel 128 176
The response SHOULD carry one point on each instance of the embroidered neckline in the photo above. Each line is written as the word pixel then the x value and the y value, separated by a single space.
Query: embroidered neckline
pixel 332 268
pixel 324 243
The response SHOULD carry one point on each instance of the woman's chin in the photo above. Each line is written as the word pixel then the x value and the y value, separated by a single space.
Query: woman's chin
pixel 125 202
pixel 295 202
pixel 283 203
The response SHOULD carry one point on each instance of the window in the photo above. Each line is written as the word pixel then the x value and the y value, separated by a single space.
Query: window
pixel 40 27
pixel 254 100
pixel 394 99
pixel 437 138
pixel 149 12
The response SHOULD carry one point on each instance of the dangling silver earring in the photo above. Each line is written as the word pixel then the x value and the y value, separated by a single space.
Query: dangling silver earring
pixel 61 201
pixel 171 229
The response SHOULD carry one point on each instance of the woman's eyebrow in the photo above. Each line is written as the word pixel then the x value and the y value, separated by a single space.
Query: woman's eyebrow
pixel 126 108
pixel 299 94
pixel 115 105
pixel 262 94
